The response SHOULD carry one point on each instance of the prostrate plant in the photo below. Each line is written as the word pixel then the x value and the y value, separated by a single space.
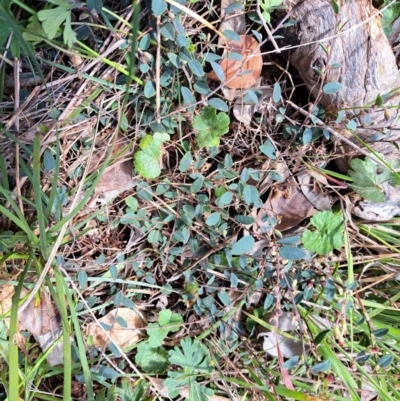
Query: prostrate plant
pixel 329 233
pixel 147 160
pixel 368 177
pixel 210 126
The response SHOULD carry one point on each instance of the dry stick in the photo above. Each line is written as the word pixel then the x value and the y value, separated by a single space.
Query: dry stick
pixel 339 136
pixel 266 27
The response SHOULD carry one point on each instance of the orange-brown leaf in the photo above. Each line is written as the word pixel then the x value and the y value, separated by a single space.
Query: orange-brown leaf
pixel 245 73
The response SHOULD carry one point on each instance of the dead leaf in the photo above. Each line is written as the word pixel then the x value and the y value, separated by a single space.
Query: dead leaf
pixel 244 112
pixel 286 203
pixel 245 73
pixel 121 336
pixel 311 185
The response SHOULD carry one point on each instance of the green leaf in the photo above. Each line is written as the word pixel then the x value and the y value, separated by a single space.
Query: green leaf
pixel 329 233
pixel 368 178
pixel 218 104
pixel 276 93
pixel 185 162
pixel 213 219
pixel 268 149
pixel 34 31
pixel 321 367
pixel 171 319
pixel 147 160
pixel 188 98
pixel 53 18
pixel 158 7
pixel 332 88
pixel 152 360
pixel 210 126
pixel 335 6
pixel 291 253
pixel 244 245
pixel 149 89
pixel 196 67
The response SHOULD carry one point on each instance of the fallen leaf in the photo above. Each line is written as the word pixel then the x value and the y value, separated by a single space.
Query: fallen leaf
pixel 311 184
pixel 241 74
pixel 121 336
pixel 287 203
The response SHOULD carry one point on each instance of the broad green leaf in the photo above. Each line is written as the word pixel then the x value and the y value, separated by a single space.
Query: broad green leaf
pixel 172 320
pixel 147 160
pixel 188 98
pixel 152 360
pixel 328 235
pixel 244 245
pixel 368 178
pixel 210 126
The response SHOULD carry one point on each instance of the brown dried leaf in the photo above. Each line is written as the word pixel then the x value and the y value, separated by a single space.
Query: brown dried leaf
pixel 237 73
pixel 288 204
pixel 121 336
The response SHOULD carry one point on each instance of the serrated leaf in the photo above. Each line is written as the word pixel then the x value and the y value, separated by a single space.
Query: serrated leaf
pixel 368 177
pixel 329 233
pixel 210 126
pixel 53 18
pixel 147 160
pixel 152 360
pixel 244 245
pixel 172 320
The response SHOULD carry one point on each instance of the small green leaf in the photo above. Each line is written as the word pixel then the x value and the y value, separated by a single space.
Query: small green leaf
pixel 218 71
pixel 210 126
pixel 292 362
pixel 385 361
pixel 321 367
pixel 218 104
pixel 291 253
pixel 335 6
pixel 149 89
pixel 268 149
pixel 332 88
pixel 251 196
pixel 213 219
pixel 158 7
pixel 188 98
pixel 276 93
pixel 244 245
pixel 231 35
pixel 196 67
pixel 185 162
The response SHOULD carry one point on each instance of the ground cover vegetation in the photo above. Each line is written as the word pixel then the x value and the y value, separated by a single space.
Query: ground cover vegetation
pixel 173 223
